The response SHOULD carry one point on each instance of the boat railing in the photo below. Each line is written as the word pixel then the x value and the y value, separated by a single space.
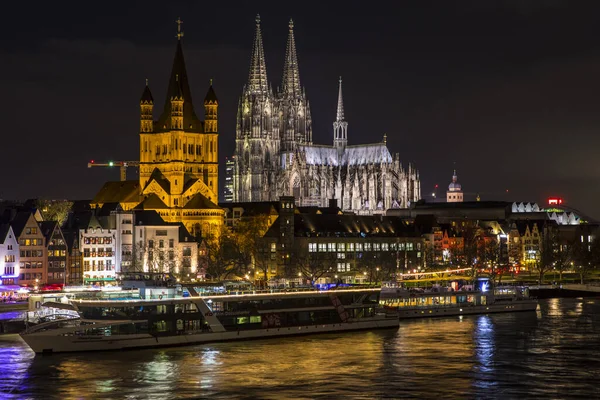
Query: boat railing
pixel 287 290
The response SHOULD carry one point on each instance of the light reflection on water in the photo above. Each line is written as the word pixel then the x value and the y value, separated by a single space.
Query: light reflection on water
pixel 552 353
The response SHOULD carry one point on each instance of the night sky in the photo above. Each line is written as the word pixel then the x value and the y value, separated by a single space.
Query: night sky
pixel 507 90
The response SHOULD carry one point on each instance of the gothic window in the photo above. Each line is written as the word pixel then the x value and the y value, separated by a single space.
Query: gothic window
pixel 296 188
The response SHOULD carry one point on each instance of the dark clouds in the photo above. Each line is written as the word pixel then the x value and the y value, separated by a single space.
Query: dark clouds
pixel 506 89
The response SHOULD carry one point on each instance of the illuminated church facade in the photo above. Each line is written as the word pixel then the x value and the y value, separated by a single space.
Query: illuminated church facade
pixel 178 165
pixel 275 154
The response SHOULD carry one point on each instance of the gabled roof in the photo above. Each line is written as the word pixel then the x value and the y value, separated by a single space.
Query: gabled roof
pixel 199 202
pixel 118 192
pixel 19 221
pixel 162 180
pixel 311 225
pixel 47 228
pixel 375 153
pixel 152 202
pixel 148 218
pixel 189 183
pixel 4 229
pixel 184 235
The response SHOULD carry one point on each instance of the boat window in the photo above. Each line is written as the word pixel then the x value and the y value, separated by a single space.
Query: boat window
pixel 255 319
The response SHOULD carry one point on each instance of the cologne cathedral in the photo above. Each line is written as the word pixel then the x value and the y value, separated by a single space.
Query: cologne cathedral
pixel 275 154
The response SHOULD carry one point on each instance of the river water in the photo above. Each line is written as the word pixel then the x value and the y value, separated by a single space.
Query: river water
pixel 551 353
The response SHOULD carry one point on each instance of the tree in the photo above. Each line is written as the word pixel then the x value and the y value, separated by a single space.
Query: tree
pixel 313 265
pixel 246 243
pixel 586 256
pixel 263 260
pixel 386 263
pixel 222 257
pixel 562 258
pixel 547 257
pixel 54 210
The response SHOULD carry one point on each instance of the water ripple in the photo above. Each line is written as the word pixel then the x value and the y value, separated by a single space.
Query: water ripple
pixel 551 353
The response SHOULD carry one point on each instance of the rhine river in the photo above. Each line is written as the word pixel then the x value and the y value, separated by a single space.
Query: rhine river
pixel 553 353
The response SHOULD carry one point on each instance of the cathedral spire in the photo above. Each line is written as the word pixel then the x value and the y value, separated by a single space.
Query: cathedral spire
pixel 257 79
pixel 291 74
pixel 340 127
pixel 340 106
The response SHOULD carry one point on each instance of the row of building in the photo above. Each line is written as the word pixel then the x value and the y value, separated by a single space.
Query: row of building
pixel 91 246
pixel 426 236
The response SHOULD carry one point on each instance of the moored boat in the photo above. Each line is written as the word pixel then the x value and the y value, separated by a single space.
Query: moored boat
pixel 438 301
pixel 92 325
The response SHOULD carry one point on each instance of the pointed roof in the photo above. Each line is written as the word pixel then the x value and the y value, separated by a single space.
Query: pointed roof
pixel 162 180
pixel 257 79
pixel 200 202
pixel 19 222
pixel 4 229
pixel 152 202
pixel 291 74
pixel 179 87
pixel 118 191
pixel 211 96
pixel 47 228
pixel 147 95
pixel 340 106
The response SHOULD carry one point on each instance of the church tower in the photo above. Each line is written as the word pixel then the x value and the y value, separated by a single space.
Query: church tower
pixel 146 110
pixel 179 169
pixel 257 133
pixel 211 106
pixel 454 193
pixel 340 126
pixel 295 122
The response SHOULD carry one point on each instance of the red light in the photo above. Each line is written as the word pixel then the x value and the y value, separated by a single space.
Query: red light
pixel 436 186
pixel 554 201
pixel 92 161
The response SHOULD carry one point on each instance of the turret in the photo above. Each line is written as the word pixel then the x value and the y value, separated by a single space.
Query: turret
pixel 211 107
pixel 340 127
pixel 146 109
pixel 177 106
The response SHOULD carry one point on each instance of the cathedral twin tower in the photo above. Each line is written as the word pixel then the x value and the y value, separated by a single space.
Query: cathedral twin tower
pixel 275 155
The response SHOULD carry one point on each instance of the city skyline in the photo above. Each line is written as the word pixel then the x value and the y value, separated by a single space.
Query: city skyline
pixel 441 99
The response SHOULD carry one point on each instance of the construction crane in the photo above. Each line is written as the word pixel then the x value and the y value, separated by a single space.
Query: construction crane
pixel 121 164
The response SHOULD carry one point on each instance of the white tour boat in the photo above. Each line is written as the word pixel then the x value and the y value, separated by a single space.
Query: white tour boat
pixel 91 325
pixel 438 301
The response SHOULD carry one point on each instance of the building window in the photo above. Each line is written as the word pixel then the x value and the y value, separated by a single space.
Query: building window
pixel 331 247
pixel 161 244
pixel 150 244
pixel 171 243
pixel 312 247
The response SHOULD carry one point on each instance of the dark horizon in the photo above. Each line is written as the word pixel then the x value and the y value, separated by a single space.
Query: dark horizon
pixel 505 91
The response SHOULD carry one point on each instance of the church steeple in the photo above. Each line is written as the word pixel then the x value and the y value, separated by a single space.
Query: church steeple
pixel 179 86
pixel 340 126
pixel 146 110
pixel 257 79
pixel 291 74
pixel 211 106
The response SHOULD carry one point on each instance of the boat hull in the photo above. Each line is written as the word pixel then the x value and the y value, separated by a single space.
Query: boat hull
pixel 428 312
pixel 45 342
